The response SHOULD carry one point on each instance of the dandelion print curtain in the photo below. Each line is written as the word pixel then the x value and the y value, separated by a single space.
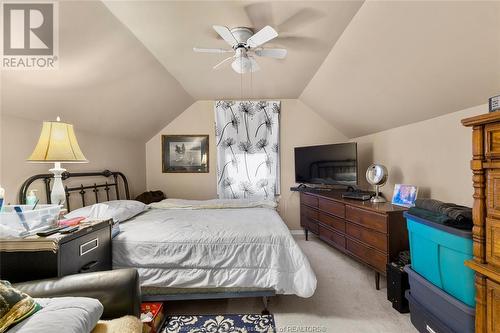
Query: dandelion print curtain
pixel 247 136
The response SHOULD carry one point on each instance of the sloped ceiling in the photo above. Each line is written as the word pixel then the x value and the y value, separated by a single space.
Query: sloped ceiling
pixel 399 62
pixel 170 30
pixel 107 81
pixel 127 67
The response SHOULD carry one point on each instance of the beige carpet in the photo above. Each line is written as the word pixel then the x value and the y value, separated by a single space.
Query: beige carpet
pixel 345 299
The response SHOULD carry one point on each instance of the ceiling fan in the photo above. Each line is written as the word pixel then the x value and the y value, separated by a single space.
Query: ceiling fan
pixel 245 44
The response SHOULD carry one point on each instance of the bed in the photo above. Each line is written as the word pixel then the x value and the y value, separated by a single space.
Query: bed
pixel 208 249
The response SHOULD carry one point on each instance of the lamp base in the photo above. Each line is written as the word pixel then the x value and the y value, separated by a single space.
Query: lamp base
pixel 57 194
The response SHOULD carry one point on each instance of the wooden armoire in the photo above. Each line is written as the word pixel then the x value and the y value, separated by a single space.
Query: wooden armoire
pixel 485 166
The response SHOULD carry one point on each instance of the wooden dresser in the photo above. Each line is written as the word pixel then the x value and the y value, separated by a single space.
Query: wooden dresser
pixel 485 166
pixel 371 233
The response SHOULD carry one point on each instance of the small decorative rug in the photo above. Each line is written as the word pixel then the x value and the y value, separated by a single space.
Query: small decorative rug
pixel 237 323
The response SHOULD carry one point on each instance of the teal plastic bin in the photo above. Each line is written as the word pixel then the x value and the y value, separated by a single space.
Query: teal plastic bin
pixel 438 253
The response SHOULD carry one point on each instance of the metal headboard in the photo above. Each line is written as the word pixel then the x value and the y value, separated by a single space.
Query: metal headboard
pixel 47 178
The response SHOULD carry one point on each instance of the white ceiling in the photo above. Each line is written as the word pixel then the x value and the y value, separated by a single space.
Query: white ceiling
pixel 107 81
pixel 399 62
pixel 127 67
pixel 170 29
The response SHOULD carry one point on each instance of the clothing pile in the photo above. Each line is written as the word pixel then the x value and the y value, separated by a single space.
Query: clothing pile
pixel 449 214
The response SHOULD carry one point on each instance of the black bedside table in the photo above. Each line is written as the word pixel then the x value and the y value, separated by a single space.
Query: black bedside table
pixel 85 250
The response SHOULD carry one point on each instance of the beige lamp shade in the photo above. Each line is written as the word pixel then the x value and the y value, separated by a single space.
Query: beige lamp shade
pixel 57 143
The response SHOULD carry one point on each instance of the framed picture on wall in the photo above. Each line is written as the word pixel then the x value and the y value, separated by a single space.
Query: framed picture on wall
pixel 184 153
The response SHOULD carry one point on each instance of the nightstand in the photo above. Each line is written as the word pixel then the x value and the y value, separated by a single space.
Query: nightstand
pixel 85 250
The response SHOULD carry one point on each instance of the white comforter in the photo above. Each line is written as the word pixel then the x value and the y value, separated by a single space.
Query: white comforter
pixel 206 248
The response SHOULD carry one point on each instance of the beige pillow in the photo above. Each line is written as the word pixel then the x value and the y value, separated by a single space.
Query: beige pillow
pixel 15 306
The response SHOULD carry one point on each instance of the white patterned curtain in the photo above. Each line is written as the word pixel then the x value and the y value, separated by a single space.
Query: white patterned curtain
pixel 248 164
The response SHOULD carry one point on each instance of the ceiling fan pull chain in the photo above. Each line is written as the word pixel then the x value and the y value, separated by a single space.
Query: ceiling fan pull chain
pixel 251 84
pixel 241 78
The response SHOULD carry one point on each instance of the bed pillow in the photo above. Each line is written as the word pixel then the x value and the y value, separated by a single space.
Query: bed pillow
pixel 15 306
pixel 62 314
pixel 117 210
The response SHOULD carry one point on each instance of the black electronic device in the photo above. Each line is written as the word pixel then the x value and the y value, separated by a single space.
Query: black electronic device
pixel 69 230
pixel 358 195
pixel 334 164
pixel 49 232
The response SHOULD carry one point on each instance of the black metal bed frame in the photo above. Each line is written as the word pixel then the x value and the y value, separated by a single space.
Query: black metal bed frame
pixel 118 178
pixel 47 179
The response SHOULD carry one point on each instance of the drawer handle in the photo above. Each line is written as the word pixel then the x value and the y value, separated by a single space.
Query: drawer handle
pixel 89 246
pixel 88 266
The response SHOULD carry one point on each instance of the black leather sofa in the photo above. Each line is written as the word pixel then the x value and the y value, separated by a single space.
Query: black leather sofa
pixel 117 290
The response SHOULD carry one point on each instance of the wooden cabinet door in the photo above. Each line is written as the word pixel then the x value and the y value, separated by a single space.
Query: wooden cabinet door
pixel 493 306
pixel 493 192
pixel 493 241
pixel 492 134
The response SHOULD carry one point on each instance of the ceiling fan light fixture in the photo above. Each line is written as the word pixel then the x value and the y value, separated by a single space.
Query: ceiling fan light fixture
pixel 242 65
pixel 243 40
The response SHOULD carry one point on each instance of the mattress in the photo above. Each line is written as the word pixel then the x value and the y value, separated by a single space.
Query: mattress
pixel 214 248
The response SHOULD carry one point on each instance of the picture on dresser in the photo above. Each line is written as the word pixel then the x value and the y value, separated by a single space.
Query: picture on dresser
pixel 184 153
pixel 404 195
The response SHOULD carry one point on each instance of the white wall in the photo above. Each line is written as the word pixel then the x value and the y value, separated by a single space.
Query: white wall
pixel 433 154
pixel 300 126
pixel 19 137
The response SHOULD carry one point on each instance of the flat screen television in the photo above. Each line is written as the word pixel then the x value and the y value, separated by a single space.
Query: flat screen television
pixel 335 164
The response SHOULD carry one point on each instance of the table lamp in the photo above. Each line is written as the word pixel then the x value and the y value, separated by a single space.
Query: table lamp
pixel 57 144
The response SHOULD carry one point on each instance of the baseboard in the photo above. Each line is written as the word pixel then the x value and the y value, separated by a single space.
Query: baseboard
pixel 297 232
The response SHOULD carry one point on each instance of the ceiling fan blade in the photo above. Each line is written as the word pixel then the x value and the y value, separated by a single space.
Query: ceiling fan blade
pixel 272 53
pixel 260 14
pixel 202 50
pixel 263 36
pixel 255 65
pixel 222 63
pixel 226 34
pixel 301 18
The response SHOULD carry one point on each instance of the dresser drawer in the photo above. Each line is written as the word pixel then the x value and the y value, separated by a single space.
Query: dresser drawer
pixel 88 253
pixel 493 305
pixel 370 237
pixel 308 212
pixel 372 257
pixel 309 200
pixel 493 241
pixel 366 218
pixel 331 237
pixel 332 207
pixel 332 221
pixel 492 135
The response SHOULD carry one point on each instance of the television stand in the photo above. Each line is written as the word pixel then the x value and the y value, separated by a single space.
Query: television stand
pixel 372 233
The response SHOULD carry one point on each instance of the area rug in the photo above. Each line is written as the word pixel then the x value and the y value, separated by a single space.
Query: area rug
pixel 237 323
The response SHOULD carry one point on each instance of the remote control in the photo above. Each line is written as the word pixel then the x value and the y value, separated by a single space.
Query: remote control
pixel 49 232
pixel 69 230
